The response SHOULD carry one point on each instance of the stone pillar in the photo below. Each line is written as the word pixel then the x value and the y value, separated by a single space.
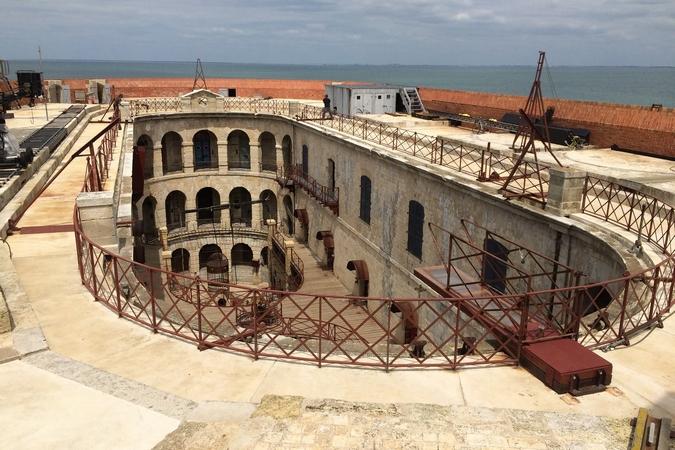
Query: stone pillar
pixel 271 228
pixel 157 169
pixel 188 157
pixel 255 157
pixel 222 156
pixel 280 156
pixel 96 216
pixel 565 191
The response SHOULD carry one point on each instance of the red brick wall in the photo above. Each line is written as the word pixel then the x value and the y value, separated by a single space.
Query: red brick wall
pixel 161 87
pixel 628 126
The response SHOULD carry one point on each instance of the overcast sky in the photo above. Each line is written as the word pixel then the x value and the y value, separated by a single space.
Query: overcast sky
pixel 454 32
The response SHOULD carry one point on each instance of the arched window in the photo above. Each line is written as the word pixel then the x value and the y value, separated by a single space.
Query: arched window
pixel 238 150
pixel 206 198
pixel 242 255
pixel 205 146
pixel 364 212
pixel 287 151
pixel 175 210
pixel 269 205
pixel 145 143
pixel 180 260
pixel 240 207
pixel 205 253
pixel 172 153
pixel 268 149
pixel 415 228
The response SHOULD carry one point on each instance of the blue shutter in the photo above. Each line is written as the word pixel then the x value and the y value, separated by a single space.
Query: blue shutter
pixel 415 228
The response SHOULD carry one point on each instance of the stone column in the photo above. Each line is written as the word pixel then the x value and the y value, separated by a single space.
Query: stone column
pixel 222 156
pixel 157 170
pixel 280 156
pixel 565 191
pixel 288 246
pixel 188 157
pixel 255 157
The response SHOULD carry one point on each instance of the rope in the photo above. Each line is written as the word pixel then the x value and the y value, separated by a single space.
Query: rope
pixel 550 80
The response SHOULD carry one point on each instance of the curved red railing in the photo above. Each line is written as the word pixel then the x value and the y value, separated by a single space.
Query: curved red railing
pixel 393 332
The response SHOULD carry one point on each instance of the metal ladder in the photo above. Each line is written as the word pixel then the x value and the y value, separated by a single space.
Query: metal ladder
pixel 412 101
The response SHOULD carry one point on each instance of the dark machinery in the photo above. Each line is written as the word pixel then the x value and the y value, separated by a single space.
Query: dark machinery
pixel 29 87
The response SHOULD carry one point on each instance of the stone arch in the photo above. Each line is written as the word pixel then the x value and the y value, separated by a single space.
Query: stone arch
pixel 360 269
pixel 172 152
pixel 265 256
pixel 242 255
pixel 174 206
pixel 180 260
pixel 144 142
pixel 289 214
pixel 149 224
pixel 268 151
pixel 287 151
pixel 207 197
pixel 206 252
pixel 205 150
pixel 238 150
pixel 240 207
pixel 269 205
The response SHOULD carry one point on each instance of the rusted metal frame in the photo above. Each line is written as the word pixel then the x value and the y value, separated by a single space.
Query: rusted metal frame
pixel 422 333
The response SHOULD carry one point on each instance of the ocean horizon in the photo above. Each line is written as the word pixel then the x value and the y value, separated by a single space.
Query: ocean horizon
pixel 636 85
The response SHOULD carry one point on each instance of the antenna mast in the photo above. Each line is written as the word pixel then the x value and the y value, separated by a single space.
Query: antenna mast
pixel 200 81
pixel 529 131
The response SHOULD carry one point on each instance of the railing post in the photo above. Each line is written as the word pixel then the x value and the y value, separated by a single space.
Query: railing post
pixel 461 156
pixel 585 195
pixel 386 361
pixel 153 301
pixel 652 302
pixel 624 303
pixel 200 334
pixel 415 144
pixel 320 327
pixel 609 200
pixel 117 286
pixel 255 325
pixel 457 313
pixel 668 228
pixel 442 150
pixel 93 271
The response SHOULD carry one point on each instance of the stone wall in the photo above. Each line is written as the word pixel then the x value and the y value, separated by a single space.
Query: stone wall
pixel 446 197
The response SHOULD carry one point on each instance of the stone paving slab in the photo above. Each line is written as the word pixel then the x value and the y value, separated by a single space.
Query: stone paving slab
pixel 296 423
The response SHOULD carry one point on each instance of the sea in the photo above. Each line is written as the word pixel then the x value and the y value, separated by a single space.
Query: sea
pixel 628 85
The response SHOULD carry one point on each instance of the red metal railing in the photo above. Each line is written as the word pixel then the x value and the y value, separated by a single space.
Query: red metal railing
pixel 650 218
pixel 98 161
pixel 323 194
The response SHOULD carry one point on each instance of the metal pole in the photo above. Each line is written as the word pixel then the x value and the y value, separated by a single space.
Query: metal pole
pixel 386 361
pixel 153 300
pixel 320 327
pixel 117 286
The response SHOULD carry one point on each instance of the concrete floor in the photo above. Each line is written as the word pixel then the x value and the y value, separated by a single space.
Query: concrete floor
pixel 118 373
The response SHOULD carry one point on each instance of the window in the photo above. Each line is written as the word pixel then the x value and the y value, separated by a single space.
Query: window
pixel 364 213
pixel 205 150
pixel 358 97
pixel 415 228
pixel 305 159
pixel 388 96
pixel 379 97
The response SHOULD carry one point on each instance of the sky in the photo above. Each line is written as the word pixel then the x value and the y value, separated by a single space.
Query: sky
pixel 445 32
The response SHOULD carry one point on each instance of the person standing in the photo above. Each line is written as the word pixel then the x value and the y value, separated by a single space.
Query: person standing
pixel 326 107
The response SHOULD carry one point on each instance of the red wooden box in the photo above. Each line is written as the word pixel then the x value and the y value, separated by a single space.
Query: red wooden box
pixel 566 366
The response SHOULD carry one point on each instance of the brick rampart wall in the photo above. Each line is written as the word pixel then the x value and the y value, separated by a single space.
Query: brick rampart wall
pixel 628 126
